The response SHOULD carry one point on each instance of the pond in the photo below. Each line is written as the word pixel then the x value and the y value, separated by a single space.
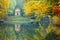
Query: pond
pixel 15 30
pixel 17 27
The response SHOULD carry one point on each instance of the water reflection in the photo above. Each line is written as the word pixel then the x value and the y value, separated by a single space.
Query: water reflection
pixel 17 31
pixel 17 27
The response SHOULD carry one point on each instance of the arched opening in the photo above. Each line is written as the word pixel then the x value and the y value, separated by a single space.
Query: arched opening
pixel 17 12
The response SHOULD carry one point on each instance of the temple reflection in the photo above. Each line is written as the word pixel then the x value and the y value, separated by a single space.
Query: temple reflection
pixel 17 27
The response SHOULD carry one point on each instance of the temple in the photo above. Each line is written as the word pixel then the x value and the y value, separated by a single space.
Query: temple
pixel 17 12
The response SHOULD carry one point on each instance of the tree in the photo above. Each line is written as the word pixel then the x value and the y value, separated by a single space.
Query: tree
pixel 4 5
pixel 11 8
pixel 40 8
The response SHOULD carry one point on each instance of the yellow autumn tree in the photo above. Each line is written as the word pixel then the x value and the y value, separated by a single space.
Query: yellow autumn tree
pixel 4 5
pixel 36 6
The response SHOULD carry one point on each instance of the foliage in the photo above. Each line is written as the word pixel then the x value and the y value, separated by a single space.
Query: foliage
pixel 11 8
pixel 4 5
pixel 37 7
pixel 50 36
pixel 40 9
